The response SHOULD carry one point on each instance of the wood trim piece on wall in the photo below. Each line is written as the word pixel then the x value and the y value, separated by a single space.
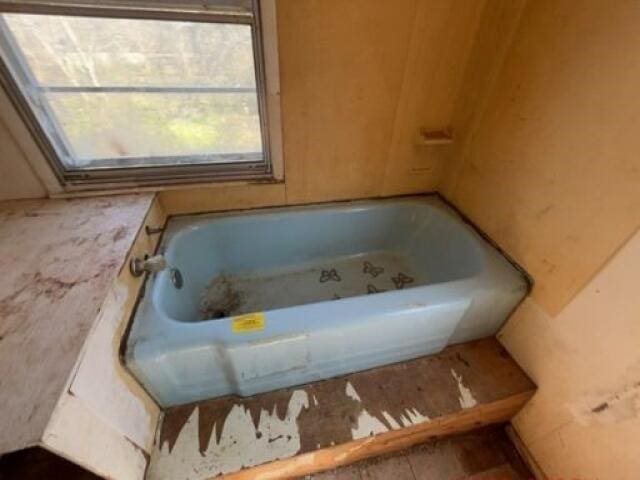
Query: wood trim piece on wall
pixel 269 25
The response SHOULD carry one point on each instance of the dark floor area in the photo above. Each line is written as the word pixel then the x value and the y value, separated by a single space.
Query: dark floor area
pixel 39 464
pixel 485 454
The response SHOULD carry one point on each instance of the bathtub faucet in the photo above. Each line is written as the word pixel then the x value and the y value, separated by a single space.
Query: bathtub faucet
pixel 153 264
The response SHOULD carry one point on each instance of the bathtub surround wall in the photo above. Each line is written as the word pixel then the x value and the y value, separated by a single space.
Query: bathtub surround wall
pixel 433 281
pixel 17 180
pixel 544 160
pixel 584 421
pixel 358 79
pixel 548 166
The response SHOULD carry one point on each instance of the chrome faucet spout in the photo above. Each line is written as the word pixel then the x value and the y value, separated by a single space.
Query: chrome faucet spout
pixel 153 264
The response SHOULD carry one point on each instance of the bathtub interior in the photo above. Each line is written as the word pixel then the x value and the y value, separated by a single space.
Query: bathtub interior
pixel 260 261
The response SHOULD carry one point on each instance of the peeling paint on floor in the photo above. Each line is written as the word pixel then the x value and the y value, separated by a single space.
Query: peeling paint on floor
pixel 368 424
pixel 240 444
pixel 391 421
pixel 351 392
pixel 413 417
pixel 466 398
pixel 331 413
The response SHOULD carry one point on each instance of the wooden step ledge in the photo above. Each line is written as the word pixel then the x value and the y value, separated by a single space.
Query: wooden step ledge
pixel 324 425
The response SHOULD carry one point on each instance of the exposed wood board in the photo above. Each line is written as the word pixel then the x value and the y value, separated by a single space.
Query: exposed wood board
pixel 329 423
pixel 58 259
pixel 482 454
pixel 465 420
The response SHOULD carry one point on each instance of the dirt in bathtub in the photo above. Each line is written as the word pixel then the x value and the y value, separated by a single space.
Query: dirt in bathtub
pixel 220 299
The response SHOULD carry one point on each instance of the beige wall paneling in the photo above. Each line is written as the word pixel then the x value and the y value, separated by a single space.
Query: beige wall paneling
pixel 222 197
pixel 548 166
pixel 359 79
pixel 497 26
pixel 341 68
pixel 442 37
pixel 17 179
pixel 552 169
pixel 34 167
pixel 584 422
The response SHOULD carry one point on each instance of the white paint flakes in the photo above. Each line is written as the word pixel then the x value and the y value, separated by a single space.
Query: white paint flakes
pixel 416 417
pixel 391 421
pixel 351 392
pixel 367 426
pixel 241 444
pixel 466 398
pixel 412 417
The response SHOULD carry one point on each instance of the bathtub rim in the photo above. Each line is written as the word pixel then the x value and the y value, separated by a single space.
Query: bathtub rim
pixel 486 247
pixel 127 350
pixel 179 228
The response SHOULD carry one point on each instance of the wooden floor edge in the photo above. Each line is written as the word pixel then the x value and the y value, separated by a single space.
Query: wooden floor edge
pixel 525 453
pixel 333 457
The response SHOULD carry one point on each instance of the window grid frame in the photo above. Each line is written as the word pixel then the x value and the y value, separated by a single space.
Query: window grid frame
pixel 168 169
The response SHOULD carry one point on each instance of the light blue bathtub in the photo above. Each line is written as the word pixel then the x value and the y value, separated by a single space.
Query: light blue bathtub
pixel 281 297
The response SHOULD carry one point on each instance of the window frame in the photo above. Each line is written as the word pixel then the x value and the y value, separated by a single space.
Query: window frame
pixel 210 11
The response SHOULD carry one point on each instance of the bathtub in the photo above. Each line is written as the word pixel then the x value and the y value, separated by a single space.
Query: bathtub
pixel 280 297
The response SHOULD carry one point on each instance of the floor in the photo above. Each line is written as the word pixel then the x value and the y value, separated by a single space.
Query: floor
pixel 37 464
pixel 486 454
pixel 466 385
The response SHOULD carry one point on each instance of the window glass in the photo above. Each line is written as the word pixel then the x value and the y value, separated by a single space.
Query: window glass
pixel 138 92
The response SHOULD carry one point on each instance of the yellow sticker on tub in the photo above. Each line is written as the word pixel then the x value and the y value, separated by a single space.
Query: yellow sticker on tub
pixel 251 322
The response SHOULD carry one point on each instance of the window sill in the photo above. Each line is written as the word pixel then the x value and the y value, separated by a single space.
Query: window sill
pixel 177 185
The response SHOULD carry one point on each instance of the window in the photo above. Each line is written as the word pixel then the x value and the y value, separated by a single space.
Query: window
pixel 140 94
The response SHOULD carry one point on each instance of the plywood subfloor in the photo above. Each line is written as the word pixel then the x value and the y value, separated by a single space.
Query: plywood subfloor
pixel 485 454
pixel 301 430
pixel 58 259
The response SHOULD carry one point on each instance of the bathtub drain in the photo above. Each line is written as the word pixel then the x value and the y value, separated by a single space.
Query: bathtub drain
pixel 176 278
